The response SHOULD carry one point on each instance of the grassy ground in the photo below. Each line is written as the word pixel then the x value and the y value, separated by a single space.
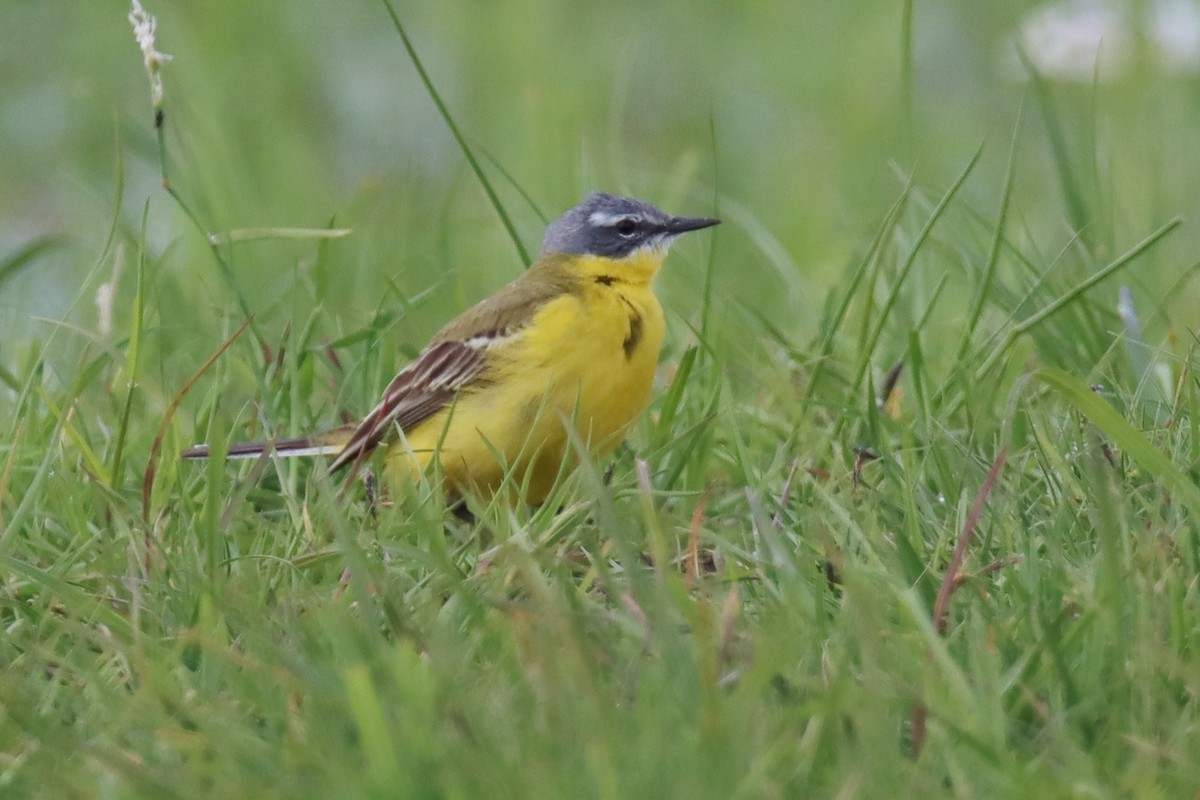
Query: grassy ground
pixel 914 511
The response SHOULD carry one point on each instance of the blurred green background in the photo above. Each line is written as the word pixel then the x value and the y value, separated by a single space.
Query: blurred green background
pixel 798 122
pixel 257 600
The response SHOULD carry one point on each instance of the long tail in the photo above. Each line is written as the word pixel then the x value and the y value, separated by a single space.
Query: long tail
pixel 329 443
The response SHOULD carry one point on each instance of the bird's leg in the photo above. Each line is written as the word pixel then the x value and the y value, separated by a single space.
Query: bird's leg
pixel 374 499
pixel 458 507
pixel 623 449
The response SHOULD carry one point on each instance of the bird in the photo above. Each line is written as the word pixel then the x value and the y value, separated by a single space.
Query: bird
pixel 572 343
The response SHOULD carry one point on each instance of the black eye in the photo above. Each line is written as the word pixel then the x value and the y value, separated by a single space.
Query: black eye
pixel 626 228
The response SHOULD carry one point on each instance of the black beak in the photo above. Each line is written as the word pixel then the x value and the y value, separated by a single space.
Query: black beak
pixel 678 225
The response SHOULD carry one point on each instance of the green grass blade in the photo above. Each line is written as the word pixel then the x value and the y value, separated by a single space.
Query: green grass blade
pixel 1073 195
pixel 1037 318
pixel 824 348
pixel 259 234
pixel 493 198
pixel 984 290
pixel 1124 435
pixel 884 312
pixel 132 351
pixel 907 66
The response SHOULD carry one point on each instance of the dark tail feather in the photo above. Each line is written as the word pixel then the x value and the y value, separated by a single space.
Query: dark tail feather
pixel 325 444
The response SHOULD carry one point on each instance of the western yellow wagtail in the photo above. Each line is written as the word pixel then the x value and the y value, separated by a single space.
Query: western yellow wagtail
pixel 573 341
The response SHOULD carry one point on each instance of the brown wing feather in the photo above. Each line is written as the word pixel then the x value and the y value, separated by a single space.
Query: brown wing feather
pixel 457 356
pixel 422 389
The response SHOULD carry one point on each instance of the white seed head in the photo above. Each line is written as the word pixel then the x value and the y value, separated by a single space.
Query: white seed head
pixel 143 30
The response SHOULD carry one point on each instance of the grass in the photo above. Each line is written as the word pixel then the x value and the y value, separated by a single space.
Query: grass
pixel 913 512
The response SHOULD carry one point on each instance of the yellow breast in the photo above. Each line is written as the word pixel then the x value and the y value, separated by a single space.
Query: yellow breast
pixel 587 359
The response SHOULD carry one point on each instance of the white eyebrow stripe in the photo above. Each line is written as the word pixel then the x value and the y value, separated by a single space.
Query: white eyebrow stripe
pixel 604 219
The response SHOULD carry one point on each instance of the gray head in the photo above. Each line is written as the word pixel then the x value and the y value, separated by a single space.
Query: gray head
pixel 613 227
